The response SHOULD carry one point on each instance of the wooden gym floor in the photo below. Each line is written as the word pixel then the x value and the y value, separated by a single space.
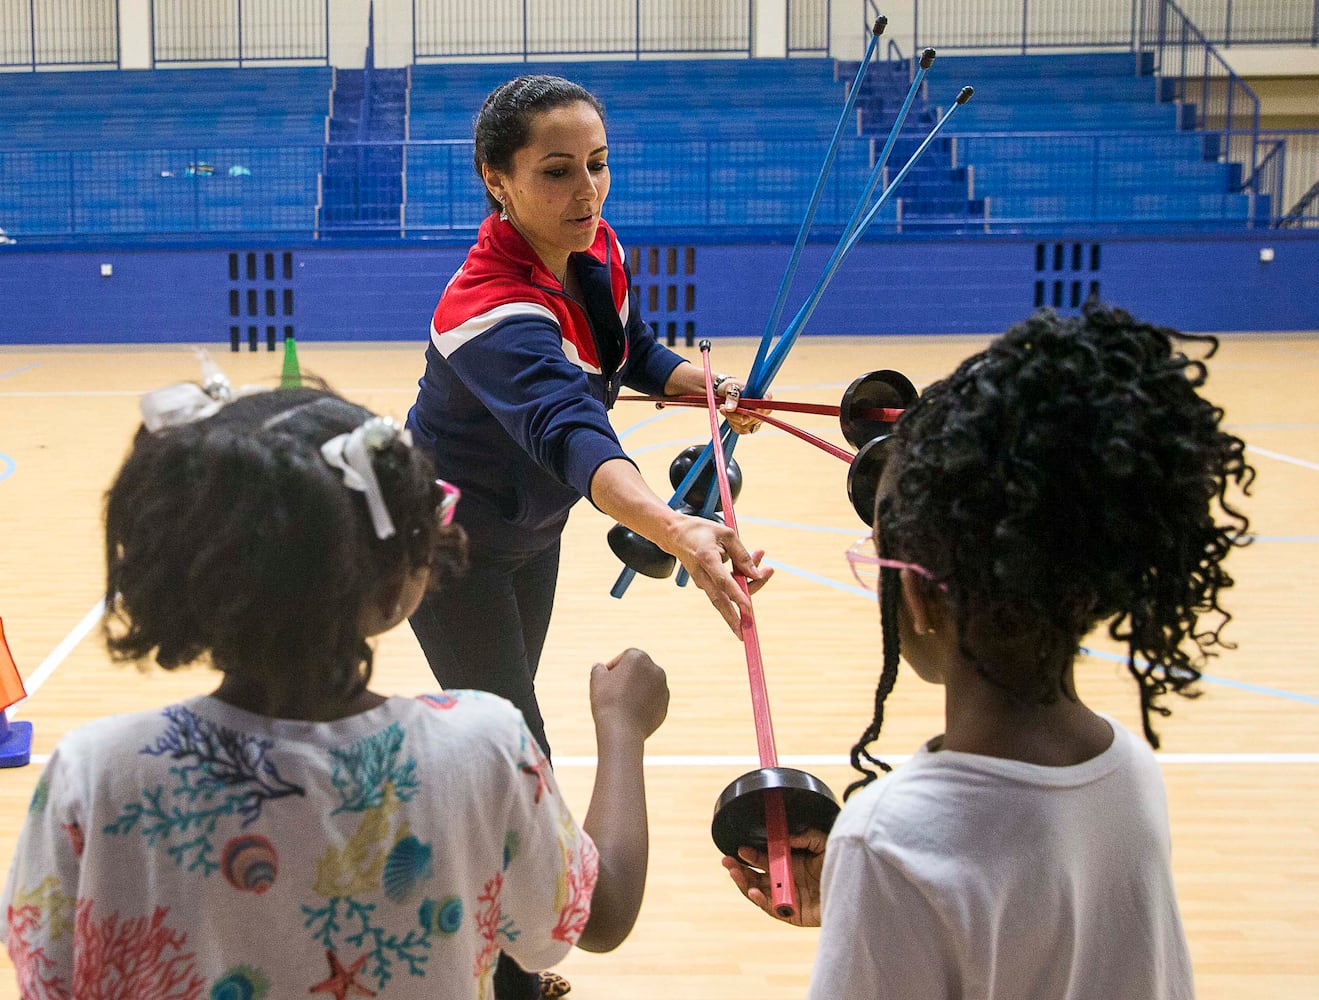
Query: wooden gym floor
pixel 1241 763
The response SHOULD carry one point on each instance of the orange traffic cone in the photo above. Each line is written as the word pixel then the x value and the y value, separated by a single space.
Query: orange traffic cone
pixel 15 737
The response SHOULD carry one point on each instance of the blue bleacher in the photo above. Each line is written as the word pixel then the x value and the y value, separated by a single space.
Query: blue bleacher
pixel 739 146
pixel 151 152
pixel 1131 161
pixel 733 143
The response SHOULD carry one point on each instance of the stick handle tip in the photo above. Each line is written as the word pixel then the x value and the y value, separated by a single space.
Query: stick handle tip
pixel 965 94
pixel 881 23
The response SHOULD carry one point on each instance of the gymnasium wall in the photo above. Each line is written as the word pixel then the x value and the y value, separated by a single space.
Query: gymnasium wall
pixel 846 20
pixel 902 286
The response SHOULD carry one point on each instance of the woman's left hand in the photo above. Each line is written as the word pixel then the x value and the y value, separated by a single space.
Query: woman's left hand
pixel 729 394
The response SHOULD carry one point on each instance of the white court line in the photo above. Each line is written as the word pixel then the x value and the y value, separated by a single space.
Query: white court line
pixel 90 620
pixel 834 760
pixel 59 654
pixel 827 760
pixel 1283 458
pixel 72 394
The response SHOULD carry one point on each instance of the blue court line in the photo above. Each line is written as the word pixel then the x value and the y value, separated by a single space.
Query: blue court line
pixel 846 588
pixel 860 531
pixel 862 592
pixel 684 442
pixel 19 371
pixel 1304 699
pixel 644 423
pixel 6 467
pixel 856 532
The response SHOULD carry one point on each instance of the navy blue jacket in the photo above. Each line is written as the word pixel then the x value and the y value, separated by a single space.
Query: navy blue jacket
pixel 519 379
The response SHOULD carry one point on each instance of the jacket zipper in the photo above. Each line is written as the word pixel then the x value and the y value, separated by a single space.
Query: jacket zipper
pixel 608 378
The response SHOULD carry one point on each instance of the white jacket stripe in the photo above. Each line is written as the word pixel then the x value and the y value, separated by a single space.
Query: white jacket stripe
pixel 448 341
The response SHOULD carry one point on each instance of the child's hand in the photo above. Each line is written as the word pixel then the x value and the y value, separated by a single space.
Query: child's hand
pixel 749 874
pixel 631 692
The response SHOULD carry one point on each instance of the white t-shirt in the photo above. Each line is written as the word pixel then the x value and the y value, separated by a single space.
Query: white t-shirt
pixel 201 851
pixel 977 878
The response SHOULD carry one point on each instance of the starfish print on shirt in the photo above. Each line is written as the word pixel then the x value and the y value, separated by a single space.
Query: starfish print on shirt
pixel 343 981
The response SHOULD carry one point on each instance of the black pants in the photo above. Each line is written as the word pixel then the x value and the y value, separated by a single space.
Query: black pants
pixel 486 632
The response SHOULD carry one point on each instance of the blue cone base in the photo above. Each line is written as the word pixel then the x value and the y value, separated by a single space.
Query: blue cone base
pixel 16 746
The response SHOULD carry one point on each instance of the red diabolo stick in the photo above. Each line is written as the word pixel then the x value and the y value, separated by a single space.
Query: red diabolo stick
pixel 783 894
pixel 808 437
pixel 820 409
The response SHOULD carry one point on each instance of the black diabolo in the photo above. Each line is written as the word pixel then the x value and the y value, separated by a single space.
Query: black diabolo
pixel 696 493
pixel 863 478
pixel 873 391
pixel 739 813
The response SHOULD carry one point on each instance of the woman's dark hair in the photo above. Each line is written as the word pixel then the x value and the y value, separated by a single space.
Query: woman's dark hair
pixel 503 125
pixel 233 537
pixel 1068 475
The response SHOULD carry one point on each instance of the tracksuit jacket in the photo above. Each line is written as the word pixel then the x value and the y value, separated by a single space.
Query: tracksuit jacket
pixel 519 380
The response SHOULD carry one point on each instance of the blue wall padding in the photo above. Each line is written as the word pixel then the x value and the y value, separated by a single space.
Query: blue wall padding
pixel 911 286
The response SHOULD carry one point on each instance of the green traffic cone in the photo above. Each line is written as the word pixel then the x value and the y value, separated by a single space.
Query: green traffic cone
pixel 291 376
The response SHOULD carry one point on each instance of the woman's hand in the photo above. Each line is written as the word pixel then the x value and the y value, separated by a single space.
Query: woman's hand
pixel 749 872
pixel 729 394
pixel 689 379
pixel 703 546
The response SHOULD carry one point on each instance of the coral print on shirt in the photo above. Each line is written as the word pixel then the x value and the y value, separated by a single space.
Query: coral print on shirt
pixel 217 774
pixel 234 858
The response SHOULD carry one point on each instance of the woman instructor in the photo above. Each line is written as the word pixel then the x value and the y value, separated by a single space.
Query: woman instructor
pixel 530 344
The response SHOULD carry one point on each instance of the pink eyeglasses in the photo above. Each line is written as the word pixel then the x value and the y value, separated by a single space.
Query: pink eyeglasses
pixel 866 564
pixel 449 495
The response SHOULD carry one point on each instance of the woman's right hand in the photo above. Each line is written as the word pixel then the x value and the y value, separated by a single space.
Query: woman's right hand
pixel 703 546
pixel 749 872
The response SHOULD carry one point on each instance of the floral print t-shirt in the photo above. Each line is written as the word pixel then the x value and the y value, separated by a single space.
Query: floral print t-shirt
pixel 201 852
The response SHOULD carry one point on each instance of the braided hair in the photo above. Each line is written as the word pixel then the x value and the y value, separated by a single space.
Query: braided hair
pixel 231 537
pixel 1068 475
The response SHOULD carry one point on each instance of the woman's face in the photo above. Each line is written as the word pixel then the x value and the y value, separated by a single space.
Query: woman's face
pixel 557 183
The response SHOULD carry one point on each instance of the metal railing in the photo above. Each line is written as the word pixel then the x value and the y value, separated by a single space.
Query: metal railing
pixel 1021 25
pixel 527 29
pixel 705 190
pixel 1294 155
pixel 1256 22
pixel 1192 73
pixel 808 27
pixel 42 33
pixel 187 191
pixel 240 32
pixel 1179 181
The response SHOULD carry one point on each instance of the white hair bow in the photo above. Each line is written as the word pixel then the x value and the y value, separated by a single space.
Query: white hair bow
pixel 184 402
pixel 351 453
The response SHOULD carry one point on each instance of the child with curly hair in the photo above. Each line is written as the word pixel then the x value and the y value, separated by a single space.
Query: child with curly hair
pixel 1068 476
pixel 296 833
